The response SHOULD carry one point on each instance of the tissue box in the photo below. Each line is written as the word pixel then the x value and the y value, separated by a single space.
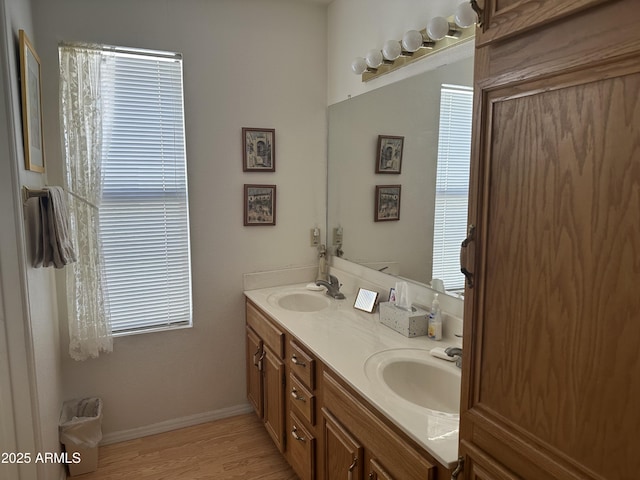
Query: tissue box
pixel 409 324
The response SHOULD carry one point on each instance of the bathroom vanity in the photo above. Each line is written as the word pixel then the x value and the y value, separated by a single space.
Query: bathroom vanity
pixel 315 375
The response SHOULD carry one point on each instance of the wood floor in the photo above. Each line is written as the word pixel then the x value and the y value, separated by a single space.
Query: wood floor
pixel 232 448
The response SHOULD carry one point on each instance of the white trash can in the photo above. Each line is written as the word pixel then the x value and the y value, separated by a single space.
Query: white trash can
pixel 80 431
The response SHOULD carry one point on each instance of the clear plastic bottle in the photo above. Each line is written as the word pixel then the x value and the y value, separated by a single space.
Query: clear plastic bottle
pixel 435 320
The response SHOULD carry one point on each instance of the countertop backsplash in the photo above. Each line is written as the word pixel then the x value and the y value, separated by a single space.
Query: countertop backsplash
pixel 353 276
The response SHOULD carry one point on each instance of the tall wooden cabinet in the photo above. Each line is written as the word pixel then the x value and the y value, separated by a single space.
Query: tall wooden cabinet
pixel 551 374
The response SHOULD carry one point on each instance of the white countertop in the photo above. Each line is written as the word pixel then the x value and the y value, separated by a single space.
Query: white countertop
pixel 344 338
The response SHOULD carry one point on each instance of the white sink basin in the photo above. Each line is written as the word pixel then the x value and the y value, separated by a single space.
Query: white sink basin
pixel 300 301
pixel 413 375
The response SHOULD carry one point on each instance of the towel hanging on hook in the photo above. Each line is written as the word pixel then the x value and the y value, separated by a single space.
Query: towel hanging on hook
pixel 53 244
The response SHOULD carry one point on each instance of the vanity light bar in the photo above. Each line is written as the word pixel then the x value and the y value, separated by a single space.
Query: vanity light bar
pixel 429 48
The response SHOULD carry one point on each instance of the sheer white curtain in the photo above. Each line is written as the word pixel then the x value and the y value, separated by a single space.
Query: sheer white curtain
pixel 82 115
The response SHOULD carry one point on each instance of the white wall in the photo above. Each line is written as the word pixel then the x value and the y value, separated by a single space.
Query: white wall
pixel 240 70
pixel 357 26
pixel 29 340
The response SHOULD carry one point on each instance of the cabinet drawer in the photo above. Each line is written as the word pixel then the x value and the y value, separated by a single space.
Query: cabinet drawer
pixel 302 449
pixel 302 365
pixel 377 472
pixel 400 459
pixel 302 400
pixel 272 336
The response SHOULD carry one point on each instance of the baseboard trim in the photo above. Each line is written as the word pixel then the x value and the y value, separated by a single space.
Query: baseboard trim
pixel 174 424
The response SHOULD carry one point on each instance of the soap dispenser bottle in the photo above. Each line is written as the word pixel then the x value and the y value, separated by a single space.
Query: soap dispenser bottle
pixel 435 320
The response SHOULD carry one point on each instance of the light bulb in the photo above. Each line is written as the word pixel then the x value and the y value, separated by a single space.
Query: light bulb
pixel 437 28
pixel 465 16
pixel 412 41
pixel 374 58
pixel 359 66
pixel 391 50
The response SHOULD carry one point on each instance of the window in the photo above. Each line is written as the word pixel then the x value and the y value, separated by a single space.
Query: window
pixel 144 218
pixel 452 184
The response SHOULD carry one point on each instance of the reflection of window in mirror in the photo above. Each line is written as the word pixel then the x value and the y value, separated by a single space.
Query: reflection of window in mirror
pixel 452 184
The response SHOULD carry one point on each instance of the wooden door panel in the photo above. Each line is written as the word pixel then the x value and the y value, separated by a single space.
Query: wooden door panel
pixel 343 454
pixel 481 466
pixel 274 391
pixel 505 18
pixel 558 316
pixel 255 391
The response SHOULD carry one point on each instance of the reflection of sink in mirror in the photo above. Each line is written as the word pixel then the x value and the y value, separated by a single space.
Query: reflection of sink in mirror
pixel 415 376
pixel 300 301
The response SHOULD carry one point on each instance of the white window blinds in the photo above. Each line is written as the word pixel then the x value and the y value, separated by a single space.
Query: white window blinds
pixel 452 184
pixel 144 218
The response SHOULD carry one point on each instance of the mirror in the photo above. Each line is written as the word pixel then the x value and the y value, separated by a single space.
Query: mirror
pixel 408 108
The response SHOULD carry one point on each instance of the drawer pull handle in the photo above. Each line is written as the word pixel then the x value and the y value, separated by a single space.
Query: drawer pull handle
pixel 295 361
pixel 264 352
pixel 255 355
pixel 463 255
pixel 352 467
pixel 294 434
pixel 459 469
pixel 294 394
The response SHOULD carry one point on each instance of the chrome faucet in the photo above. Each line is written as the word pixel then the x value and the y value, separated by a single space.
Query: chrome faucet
pixel 332 286
pixel 455 352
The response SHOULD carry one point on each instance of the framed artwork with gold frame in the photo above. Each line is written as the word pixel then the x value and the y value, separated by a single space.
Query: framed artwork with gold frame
pixel 31 86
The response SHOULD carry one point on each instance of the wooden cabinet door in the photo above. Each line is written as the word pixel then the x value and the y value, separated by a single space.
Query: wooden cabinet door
pixel 343 454
pixel 255 391
pixel 551 364
pixel 274 391
pixel 504 18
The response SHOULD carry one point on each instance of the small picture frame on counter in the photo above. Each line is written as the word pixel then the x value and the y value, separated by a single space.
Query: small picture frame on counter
pixel 366 300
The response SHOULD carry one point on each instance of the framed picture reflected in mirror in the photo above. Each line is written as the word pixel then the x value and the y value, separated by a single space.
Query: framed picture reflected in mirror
pixel 387 203
pixel 389 159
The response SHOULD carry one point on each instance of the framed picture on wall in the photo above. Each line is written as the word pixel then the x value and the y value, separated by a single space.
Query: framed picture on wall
pixel 259 205
pixel 258 150
pixel 30 83
pixel 389 158
pixel 387 203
